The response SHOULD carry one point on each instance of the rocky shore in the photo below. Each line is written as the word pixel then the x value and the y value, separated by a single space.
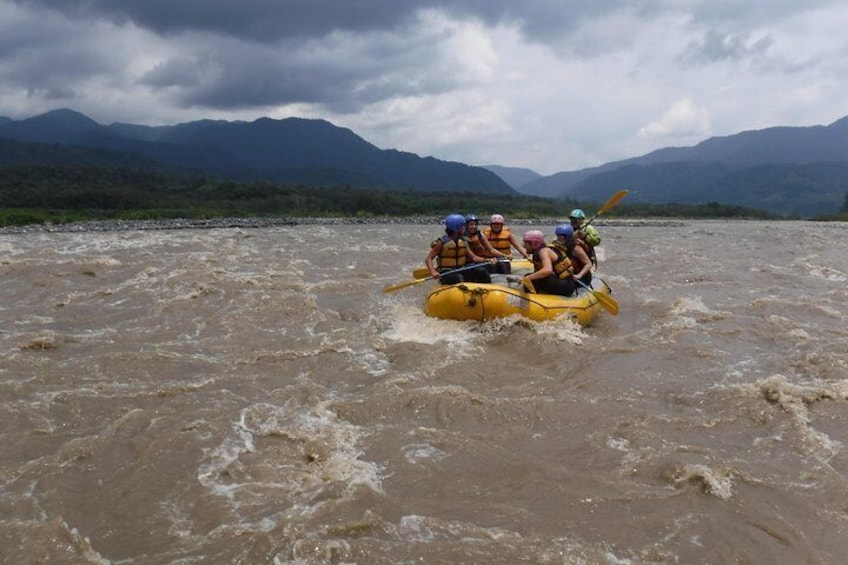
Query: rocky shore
pixel 247 223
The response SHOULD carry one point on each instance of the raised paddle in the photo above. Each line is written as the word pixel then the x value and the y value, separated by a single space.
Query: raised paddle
pixel 395 287
pixel 608 302
pixel 614 199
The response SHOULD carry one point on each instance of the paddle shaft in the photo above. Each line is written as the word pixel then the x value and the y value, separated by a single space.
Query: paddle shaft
pixel 609 204
pixel 421 280
pixel 420 272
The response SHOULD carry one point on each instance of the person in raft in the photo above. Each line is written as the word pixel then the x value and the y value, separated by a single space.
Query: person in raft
pixel 481 246
pixel 503 240
pixel 552 272
pixel 578 252
pixel 587 234
pixel 451 251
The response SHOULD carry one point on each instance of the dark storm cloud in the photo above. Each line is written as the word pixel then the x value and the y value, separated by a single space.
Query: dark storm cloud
pixel 255 53
pixel 341 74
pixel 341 54
pixel 270 20
pixel 260 20
pixel 477 77
pixel 50 60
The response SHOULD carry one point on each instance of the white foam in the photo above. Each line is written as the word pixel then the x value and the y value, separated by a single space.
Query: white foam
pixel 409 324
pixel 330 455
pixel 417 452
pixel 689 312
pixel 82 544
pixel 426 529
pixel 617 443
pixel 685 305
pixel 824 272
pixel 716 482
pixel 796 400
pixel 372 362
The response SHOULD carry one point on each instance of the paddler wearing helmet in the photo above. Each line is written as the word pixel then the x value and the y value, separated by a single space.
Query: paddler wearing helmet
pixel 451 252
pixel 577 251
pixel 503 239
pixel 586 233
pixel 552 270
pixel 482 247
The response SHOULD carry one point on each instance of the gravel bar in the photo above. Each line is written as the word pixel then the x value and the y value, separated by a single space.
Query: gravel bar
pixel 221 223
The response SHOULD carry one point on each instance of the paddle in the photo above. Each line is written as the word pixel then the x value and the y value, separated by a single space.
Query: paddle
pixel 419 272
pixel 609 204
pixel 392 288
pixel 608 302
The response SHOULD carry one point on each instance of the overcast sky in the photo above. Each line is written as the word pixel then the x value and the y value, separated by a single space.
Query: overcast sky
pixel 551 85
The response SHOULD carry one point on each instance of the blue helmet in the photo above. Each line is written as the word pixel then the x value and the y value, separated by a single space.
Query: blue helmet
pixel 454 222
pixel 566 230
pixel 577 214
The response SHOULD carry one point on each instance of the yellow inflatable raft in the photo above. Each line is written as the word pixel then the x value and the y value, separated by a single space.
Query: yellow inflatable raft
pixel 499 299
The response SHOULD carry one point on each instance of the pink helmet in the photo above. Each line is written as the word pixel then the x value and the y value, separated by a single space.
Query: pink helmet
pixel 535 238
pixel 496 219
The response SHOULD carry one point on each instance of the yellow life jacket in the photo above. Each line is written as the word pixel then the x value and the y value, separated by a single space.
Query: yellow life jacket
pixel 562 264
pixel 476 244
pixel 453 253
pixel 576 263
pixel 500 240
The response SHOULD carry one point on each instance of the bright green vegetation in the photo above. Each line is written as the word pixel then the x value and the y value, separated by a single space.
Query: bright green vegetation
pixel 32 194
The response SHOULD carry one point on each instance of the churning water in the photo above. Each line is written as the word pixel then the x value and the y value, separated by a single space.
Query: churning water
pixel 252 396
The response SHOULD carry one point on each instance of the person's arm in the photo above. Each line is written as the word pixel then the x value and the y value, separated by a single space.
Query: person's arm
pixel 428 260
pixel 516 244
pixel 477 259
pixel 547 268
pixel 488 247
pixel 587 264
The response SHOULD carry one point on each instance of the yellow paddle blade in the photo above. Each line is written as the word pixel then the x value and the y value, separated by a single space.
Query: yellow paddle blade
pixel 609 303
pixel 613 201
pixel 420 272
pixel 394 287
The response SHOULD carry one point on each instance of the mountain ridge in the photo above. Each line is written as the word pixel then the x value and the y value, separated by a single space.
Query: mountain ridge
pixel 290 150
pixel 812 159
pixel 514 176
pixel 786 170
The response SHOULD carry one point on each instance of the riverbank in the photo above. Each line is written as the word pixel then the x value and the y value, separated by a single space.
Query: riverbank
pixel 251 223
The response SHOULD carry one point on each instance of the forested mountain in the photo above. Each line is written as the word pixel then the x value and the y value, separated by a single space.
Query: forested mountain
pixel 291 150
pixel 789 170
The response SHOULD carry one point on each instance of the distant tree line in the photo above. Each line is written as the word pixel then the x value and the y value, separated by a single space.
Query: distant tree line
pixel 841 216
pixel 63 193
